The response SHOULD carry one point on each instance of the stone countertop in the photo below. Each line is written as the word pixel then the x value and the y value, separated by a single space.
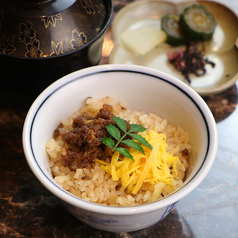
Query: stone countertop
pixel 27 209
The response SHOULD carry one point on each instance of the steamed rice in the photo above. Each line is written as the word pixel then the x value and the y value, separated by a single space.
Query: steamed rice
pixel 95 185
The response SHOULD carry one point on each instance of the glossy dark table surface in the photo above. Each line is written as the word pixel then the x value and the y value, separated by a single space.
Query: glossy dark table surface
pixel 27 209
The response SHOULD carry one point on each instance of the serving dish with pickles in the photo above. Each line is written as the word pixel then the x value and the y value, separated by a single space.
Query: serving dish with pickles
pixel 194 41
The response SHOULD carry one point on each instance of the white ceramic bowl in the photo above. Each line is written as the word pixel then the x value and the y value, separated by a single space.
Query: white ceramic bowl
pixel 140 88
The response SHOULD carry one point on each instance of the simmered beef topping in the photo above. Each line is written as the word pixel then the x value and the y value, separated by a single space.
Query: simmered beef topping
pixel 83 144
pixel 56 132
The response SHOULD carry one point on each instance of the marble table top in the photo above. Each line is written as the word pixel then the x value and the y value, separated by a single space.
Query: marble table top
pixel 27 209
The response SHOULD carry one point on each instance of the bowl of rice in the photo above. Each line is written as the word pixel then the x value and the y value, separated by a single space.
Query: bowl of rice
pixel 119 145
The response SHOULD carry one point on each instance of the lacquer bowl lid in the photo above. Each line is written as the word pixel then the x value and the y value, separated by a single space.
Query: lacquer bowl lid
pixel 50 28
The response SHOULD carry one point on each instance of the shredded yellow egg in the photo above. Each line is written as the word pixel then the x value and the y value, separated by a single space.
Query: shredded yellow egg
pixel 156 166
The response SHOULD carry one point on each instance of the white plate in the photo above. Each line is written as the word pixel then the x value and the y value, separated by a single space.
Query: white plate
pixel 222 49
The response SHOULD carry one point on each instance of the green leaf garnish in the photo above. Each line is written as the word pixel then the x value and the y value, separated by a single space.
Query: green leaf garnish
pixel 125 152
pixel 120 123
pixel 134 145
pixel 109 142
pixel 137 128
pixel 141 139
pixel 116 134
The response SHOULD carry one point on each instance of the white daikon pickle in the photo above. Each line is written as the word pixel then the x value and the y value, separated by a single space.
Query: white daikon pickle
pixel 142 40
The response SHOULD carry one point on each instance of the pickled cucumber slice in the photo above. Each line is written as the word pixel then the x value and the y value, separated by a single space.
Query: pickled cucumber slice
pixel 197 23
pixel 142 40
pixel 170 24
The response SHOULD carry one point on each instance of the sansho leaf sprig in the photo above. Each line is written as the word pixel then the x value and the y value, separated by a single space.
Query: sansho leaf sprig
pixel 116 134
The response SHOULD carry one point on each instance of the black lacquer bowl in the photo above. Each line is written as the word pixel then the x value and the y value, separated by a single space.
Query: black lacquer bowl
pixel 43 40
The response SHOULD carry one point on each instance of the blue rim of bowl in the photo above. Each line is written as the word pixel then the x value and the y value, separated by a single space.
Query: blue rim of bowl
pixel 78 77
